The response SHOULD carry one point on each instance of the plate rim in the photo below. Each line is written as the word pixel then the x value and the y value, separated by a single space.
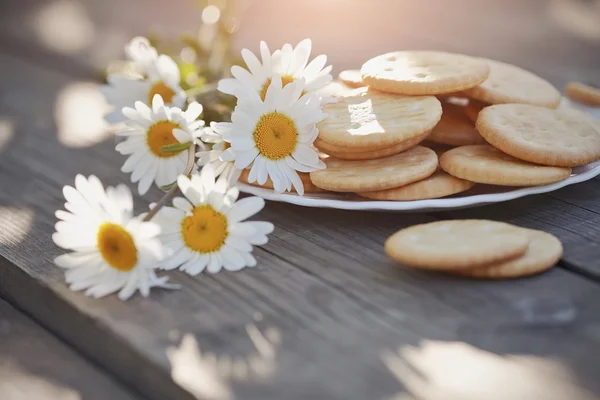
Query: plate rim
pixel 419 205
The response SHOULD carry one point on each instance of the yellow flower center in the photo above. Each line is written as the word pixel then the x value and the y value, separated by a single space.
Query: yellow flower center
pixel 165 92
pixel 205 230
pixel 275 136
pixel 117 247
pixel 161 134
pixel 285 79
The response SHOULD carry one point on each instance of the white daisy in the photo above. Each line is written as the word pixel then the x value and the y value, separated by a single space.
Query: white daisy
pixel 275 136
pixel 112 249
pixel 140 51
pixel 161 76
pixel 206 229
pixel 149 129
pixel 289 63
pixel 212 156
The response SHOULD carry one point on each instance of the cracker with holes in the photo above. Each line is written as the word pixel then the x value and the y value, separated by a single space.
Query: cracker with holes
pixel 424 72
pixel 510 84
pixel 457 244
pixel 370 120
pixel 563 137
pixel 486 164
pixel 378 174
pixel 440 184
pixel 543 253
pixel 455 128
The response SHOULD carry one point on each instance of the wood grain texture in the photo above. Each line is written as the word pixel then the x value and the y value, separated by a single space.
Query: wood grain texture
pixel 36 365
pixel 325 314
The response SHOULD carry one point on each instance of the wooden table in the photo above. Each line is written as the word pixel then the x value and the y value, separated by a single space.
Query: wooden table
pixel 325 315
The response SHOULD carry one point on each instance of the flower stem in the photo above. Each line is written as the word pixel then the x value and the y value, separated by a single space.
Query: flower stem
pixel 171 193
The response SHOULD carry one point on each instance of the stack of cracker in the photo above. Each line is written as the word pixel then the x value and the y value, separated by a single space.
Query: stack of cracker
pixel 475 248
pixel 414 125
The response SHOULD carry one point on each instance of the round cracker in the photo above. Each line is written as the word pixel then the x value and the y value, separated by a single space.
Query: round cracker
pixel 352 78
pixel 455 128
pixel 583 93
pixel 344 154
pixel 440 184
pixel 510 84
pixel 306 182
pixel 563 137
pixel 423 72
pixel 368 119
pixel 378 174
pixel 456 244
pixel 473 108
pixel 543 253
pixel 486 164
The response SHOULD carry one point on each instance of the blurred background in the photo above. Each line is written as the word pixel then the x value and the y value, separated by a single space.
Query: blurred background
pixel 60 49
pixel 89 33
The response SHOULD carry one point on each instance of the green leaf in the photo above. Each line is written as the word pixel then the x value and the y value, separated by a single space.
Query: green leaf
pixel 175 147
pixel 168 187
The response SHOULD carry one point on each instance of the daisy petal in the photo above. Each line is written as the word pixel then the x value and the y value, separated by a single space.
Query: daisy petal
pixel 214 264
pixel 245 208
pixel 243 158
pixel 193 112
pixel 182 204
pixel 232 259
pixel 252 62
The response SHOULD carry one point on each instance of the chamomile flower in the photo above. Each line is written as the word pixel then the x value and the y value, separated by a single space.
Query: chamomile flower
pixel 111 249
pixel 212 156
pixel 140 51
pixel 160 76
pixel 290 63
pixel 149 129
pixel 206 229
pixel 275 136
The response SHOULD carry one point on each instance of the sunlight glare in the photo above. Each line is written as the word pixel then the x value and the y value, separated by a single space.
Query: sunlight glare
pixel 195 374
pixel 79 115
pixel 63 26
pixel 7 131
pixel 18 383
pixel 455 370
pixel 211 14
pixel 16 223
pixel 207 375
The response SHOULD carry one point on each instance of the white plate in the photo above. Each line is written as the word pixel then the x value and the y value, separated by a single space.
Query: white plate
pixel 479 195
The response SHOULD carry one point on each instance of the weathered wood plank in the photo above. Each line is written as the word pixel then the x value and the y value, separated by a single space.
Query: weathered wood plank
pixel 324 290
pixel 36 365
pixel 339 302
